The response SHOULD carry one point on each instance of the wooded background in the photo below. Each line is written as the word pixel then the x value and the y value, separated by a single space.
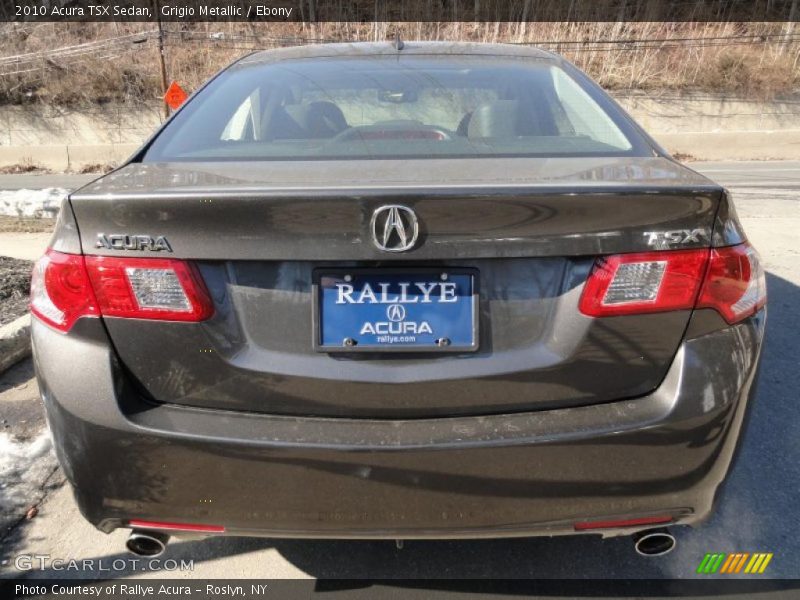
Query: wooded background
pixel 72 64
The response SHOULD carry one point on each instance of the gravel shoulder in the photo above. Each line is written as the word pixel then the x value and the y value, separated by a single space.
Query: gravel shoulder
pixel 25 224
pixel 15 283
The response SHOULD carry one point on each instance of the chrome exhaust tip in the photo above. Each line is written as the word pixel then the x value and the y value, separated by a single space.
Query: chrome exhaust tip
pixel 654 542
pixel 146 543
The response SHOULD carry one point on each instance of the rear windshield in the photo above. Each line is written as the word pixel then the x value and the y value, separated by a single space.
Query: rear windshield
pixel 390 107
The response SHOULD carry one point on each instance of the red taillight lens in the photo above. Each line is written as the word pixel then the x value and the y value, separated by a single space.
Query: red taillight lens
pixel 730 280
pixel 168 526
pixel 644 282
pixel 735 284
pixel 619 524
pixel 145 288
pixel 60 290
pixel 65 287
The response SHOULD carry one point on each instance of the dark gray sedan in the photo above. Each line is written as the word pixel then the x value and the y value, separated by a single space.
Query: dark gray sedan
pixel 398 291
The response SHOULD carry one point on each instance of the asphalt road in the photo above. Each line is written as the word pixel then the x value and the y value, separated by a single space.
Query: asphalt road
pixel 35 181
pixel 758 512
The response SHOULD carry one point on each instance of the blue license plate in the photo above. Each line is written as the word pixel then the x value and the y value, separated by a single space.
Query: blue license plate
pixel 396 310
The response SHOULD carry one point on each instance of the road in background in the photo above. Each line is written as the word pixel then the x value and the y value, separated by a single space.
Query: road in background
pixel 748 173
pixel 758 510
pixel 37 181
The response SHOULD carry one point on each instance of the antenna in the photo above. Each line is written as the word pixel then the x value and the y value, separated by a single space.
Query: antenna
pixel 398 43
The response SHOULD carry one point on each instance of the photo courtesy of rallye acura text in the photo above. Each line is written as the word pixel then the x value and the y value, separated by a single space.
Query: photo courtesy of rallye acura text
pixel 420 290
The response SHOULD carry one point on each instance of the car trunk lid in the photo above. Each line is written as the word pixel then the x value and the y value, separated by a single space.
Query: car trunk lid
pixel 529 229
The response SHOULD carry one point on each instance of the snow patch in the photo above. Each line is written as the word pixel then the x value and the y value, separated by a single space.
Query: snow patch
pixel 31 203
pixel 24 468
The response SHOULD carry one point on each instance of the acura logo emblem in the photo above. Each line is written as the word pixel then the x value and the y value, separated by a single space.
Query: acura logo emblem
pixel 395 312
pixel 394 228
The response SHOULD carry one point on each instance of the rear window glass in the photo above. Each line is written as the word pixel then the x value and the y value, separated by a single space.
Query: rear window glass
pixel 390 107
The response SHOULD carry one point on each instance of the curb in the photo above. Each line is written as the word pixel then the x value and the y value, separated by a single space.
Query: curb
pixel 15 342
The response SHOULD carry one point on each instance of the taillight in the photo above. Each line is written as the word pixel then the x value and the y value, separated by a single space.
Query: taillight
pixel 65 287
pixel 735 284
pixel 60 290
pixel 169 526
pixel 729 280
pixel 620 523
pixel 644 282
pixel 149 288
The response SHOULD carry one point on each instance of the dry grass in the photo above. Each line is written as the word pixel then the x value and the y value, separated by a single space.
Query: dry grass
pixel 763 65
pixel 26 166
pixel 99 168
pixel 25 224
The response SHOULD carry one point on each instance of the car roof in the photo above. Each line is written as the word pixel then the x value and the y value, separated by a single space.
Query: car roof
pixel 366 49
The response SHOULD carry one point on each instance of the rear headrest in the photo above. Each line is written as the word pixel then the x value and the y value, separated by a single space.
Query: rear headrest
pixel 283 124
pixel 324 119
pixel 307 121
pixel 317 119
pixel 495 120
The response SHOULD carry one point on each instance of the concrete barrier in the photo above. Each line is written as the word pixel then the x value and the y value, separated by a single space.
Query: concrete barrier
pixel 49 156
pixel 15 342
pixel 706 126
pixel 702 145
pixel 66 157
pixel 734 145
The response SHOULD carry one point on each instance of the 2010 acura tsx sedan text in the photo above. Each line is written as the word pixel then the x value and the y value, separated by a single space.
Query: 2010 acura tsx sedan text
pixel 398 291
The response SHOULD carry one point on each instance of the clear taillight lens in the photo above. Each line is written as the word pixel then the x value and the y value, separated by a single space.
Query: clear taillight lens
pixel 158 289
pixel 730 280
pixel 65 287
pixel 635 282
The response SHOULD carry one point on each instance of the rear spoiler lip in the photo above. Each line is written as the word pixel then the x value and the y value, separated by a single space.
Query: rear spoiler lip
pixel 254 192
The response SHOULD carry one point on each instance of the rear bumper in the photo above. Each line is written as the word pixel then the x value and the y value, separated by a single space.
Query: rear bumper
pixel 526 474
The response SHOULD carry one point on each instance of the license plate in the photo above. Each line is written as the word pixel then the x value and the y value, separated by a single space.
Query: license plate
pixel 396 310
